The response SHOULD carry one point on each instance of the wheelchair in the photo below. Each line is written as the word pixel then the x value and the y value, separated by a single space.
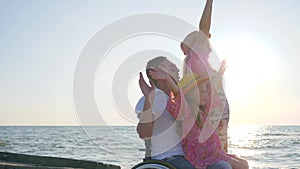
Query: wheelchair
pixel 153 164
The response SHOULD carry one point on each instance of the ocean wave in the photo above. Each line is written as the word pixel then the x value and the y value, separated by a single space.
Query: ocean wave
pixel 2 143
pixel 279 134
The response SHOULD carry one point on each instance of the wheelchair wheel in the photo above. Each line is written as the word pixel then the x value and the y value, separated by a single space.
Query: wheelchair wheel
pixel 153 164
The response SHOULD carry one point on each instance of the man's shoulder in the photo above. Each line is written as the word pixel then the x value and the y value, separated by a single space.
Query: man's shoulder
pixel 159 91
pixel 157 94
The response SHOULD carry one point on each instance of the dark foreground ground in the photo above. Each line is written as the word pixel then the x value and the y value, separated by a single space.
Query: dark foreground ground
pixel 22 161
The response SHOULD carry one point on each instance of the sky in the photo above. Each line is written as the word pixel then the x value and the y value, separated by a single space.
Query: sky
pixel 42 44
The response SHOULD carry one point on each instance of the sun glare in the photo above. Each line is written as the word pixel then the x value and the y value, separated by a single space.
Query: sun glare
pixel 248 59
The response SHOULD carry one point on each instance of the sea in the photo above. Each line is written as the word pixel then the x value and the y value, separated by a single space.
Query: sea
pixel 264 147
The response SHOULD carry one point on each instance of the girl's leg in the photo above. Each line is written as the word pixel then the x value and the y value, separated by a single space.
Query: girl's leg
pixel 220 165
pixel 238 163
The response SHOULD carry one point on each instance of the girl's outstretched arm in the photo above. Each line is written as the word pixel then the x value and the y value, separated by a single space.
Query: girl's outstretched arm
pixel 205 21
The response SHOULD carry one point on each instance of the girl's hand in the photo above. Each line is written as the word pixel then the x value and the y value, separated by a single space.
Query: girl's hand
pixel 222 67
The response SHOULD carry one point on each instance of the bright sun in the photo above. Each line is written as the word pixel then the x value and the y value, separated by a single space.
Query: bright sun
pixel 248 59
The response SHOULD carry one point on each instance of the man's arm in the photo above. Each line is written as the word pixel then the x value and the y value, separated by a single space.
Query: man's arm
pixel 144 86
pixel 205 21
pixel 145 125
